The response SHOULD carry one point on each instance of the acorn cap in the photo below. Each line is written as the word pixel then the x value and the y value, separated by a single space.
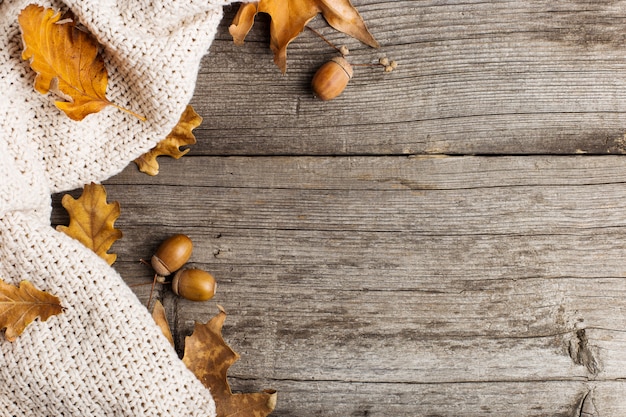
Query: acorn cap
pixel 344 64
pixel 172 254
pixel 159 266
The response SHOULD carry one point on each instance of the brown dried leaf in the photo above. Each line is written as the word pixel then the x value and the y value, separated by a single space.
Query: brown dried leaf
pixel 243 22
pixel 92 219
pixel 290 16
pixel 66 61
pixel 208 356
pixel 159 316
pixel 20 306
pixel 181 135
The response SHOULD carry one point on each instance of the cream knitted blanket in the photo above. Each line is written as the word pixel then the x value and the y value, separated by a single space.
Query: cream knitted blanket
pixel 103 356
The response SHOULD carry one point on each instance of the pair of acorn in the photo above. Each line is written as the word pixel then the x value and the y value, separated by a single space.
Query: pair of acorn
pixel 191 284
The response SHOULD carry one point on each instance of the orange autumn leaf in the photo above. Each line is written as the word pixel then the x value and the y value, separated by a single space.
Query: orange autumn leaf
pixel 289 18
pixel 66 61
pixel 243 22
pixel 160 318
pixel 208 356
pixel 92 219
pixel 20 306
pixel 180 135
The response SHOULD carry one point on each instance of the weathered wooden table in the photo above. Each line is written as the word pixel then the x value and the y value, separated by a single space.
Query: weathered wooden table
pixel 448 239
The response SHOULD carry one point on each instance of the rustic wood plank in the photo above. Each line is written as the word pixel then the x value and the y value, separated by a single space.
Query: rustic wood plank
pixel 382 283
pixel 393 173
pixel 524 77
pixel 400 285
pixel 536 398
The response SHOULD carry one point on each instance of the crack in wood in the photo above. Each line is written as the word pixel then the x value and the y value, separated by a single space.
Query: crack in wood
pixel 581 353
pixel 587 407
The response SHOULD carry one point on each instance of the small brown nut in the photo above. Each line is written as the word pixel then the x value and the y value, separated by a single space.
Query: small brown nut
pixel 194 284
pixel 332 78
pixel 173 253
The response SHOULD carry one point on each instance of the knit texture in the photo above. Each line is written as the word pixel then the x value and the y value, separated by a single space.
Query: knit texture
pixel 104 356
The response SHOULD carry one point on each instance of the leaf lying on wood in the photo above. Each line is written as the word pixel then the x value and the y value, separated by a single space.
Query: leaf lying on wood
pixel 243 22
pixel 66 61
pixel 92 219
pixel 180 135
pixel 160 318
pixel 289 18
pixel 208 356
pixel 20 306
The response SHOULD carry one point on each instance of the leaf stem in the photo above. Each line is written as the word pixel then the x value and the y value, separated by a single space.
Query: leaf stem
pixel 332 45
pixel 148 283
pixel 140 117
pixel 152 290
pixel 368 65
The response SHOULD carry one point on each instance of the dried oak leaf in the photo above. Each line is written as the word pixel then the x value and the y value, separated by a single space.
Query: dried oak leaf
pixel 289 18
pixel 160 318
pixel 181 135
pixel 66 61
pixel 20 306
pixel 92 219
pixel 243 22
pixel 208 356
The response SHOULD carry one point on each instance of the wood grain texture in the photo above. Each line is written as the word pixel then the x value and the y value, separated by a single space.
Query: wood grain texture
pixel 437 241
pixel 403 285
pixel 475 77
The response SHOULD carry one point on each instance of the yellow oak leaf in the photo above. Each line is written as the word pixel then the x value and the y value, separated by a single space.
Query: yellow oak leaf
pixel 208 356
pixel 20 306
pixel 66 61
pixel 289 18
pixel 92 219
pixel 180 135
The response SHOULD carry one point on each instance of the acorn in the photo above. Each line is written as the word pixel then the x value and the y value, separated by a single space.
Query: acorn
pixel 194 284
pixel 332 78
pixel 173 253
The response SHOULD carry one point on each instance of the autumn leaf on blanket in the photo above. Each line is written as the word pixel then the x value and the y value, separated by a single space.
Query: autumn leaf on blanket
pixel 20 306
pixel 91 220
pixel 160 318
pixel 181 135
pixel 66 61
pixel 208 356
pixel 289 18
